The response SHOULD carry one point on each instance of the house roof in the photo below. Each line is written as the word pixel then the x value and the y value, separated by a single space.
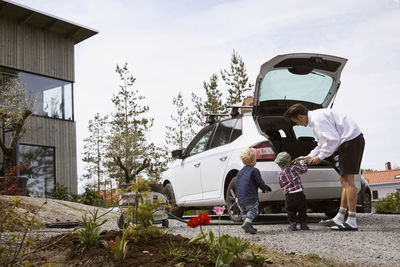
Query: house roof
pixel 377 177
pixel 46 22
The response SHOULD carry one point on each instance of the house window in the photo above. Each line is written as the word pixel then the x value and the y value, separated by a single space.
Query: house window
pixel 51 97
pixel 41 171
pixel 375 194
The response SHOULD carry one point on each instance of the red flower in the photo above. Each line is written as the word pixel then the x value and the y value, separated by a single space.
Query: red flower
pixel 204 219
pixel 194 222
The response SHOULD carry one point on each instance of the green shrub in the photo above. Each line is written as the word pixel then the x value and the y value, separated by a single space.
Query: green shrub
pixel 90 197
pixel 89 234
pixel 389 203
pixel 14 246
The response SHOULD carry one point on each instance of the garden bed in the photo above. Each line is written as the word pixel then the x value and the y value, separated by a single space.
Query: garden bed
pixel 163 250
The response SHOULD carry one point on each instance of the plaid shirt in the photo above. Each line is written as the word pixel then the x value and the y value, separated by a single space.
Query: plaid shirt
pixel 289 178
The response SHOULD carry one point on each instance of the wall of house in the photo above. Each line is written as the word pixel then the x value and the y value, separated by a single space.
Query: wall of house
pixel 61 135
pixel 384 189
pixel 32 49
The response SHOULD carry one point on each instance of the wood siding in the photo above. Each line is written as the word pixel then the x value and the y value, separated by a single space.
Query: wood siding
pixel 27 48
pixel 61 135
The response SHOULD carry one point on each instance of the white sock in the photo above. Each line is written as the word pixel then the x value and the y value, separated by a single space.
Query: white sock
pixel 248 220
pixel 351 219
pixel 339 218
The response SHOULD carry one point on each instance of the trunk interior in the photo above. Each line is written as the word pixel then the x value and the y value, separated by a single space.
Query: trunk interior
pixel 285 136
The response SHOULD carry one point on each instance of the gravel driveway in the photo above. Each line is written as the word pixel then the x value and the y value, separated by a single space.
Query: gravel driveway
pixel 376 243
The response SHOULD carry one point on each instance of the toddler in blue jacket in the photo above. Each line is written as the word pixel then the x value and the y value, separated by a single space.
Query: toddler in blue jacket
pixel 247 183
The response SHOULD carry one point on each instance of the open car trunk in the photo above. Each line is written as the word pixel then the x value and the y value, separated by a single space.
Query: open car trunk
pixel 285 136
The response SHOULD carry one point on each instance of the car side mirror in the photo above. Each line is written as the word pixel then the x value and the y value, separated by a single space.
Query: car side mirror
pixel 177 154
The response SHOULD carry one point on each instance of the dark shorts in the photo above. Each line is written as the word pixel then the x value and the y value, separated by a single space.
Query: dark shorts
pixel 350 155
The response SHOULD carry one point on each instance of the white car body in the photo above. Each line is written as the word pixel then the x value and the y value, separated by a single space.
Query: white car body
pixel 203 179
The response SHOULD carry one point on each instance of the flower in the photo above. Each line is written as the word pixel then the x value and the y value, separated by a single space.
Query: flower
pixel 219 210
pixel 204 219
pixel 194 222
pixel 145 252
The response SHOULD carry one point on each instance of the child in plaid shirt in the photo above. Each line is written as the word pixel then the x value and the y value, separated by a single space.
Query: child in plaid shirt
pixel 295 199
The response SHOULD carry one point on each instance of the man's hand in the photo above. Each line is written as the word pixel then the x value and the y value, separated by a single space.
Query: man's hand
pixel 305 158
pixel 314 161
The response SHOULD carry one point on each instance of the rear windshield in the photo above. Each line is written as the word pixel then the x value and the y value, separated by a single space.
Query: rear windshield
pixel 281 84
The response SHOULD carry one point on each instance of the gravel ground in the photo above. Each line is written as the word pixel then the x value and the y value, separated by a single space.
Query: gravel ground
pixel 376 243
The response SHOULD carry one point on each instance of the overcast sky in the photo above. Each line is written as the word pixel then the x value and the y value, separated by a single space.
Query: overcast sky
pixel 175 45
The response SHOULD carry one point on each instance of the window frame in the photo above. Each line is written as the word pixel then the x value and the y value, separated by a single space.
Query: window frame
pixel 18 154
pixel 197 138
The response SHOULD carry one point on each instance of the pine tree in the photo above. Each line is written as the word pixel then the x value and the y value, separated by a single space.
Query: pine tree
pixel 237 81
pixel 213 103
pixel 95 151
pixel 130 150
pixel 182 132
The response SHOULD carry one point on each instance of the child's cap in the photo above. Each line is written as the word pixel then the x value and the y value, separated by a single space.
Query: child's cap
pixel 283 158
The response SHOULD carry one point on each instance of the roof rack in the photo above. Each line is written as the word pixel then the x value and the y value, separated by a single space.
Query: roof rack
pixel 235 110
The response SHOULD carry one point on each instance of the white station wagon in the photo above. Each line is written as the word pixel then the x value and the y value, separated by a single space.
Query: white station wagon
pixel 204 174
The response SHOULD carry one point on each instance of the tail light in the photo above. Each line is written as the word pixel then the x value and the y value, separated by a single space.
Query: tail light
pixel 264 151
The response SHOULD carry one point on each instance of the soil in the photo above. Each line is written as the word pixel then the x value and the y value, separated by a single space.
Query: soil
pixel 66 250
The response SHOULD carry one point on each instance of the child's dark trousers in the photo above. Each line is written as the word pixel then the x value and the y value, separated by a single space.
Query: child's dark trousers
pixel 296 207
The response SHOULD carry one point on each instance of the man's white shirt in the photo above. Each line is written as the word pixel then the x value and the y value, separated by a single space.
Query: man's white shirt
pixel 331 130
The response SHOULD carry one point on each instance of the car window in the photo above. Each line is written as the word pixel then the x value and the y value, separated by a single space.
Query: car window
pixel 237 130
pixel 281 84
pixel 301 132
pixel 199 143
pixel 223 133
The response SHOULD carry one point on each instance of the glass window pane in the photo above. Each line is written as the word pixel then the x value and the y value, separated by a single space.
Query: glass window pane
pixel 41 170
pixel 199 143
pixel 223 133
pixel 281 84
pixel 52 97
pixel 68 101
pixel 237 130
pixel 52 103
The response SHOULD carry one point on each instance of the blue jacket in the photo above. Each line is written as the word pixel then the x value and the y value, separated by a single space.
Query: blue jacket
pixel 248 181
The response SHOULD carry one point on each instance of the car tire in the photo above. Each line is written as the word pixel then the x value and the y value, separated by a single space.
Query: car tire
pixel 233 209
pixel 169 193
pixel 366 205
pixel 121 222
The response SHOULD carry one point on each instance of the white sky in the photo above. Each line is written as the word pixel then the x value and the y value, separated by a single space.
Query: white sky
pixel 175 45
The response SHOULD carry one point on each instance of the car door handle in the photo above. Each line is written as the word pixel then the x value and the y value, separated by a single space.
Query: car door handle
pixel 197 165
pixel 223 158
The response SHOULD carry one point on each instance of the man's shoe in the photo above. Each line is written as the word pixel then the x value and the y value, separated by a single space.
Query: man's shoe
pixel 328 223
pixel 304 227
pixel 292 227
pixel 248 228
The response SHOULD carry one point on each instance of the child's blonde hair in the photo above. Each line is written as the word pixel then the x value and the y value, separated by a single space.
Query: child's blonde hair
pixel 248 156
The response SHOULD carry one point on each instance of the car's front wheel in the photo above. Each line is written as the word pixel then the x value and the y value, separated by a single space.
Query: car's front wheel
pixel 169 193
pixel 231 202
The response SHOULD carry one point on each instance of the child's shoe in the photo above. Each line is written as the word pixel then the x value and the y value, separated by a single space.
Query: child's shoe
pixel 292 227
pixel 248 228
pixel 304 226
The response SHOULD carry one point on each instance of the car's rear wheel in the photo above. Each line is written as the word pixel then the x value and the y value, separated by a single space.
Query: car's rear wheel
pixel 231 202
pixel 169 193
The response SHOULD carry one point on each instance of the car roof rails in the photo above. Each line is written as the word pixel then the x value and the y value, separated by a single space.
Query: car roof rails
pixel 235 110
pixel 212 118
